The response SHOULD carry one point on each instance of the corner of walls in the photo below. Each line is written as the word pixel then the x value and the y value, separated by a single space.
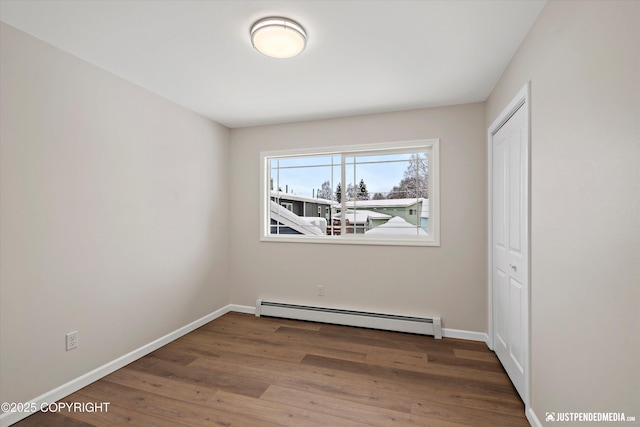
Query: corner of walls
pixel 42 401
pixel 113 216
pixel 583 61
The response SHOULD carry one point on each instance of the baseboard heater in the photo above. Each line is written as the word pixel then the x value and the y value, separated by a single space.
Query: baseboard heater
pixel 363 319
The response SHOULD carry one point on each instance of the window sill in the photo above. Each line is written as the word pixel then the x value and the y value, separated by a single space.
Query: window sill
pixel 353 240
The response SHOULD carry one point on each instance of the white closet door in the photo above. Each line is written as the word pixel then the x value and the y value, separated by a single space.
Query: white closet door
pixel 509 275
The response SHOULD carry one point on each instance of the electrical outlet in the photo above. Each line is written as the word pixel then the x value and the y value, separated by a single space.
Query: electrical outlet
pixel 72 340
pixel 320 290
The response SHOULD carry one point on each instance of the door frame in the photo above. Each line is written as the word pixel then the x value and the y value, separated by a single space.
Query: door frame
pixel 521 100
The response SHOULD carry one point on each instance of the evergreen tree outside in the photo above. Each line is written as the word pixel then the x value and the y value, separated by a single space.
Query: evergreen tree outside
pixel 362 194
pixel 339 193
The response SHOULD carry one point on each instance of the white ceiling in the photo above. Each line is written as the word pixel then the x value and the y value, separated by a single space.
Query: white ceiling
pixel 361 57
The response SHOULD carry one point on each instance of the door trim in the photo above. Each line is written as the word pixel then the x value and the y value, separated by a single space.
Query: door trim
pixel 521 100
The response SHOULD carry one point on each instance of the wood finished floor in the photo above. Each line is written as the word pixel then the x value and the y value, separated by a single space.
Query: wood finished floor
pixel 241 371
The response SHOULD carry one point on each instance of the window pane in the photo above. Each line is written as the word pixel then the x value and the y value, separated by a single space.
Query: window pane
pixel 304 187
pixel 387 194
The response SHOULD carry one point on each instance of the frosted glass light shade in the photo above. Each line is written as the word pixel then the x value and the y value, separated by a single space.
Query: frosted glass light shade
pixel 278 37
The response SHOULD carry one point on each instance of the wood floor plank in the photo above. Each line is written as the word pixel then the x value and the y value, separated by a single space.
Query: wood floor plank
pixel 431 372
pixel 309 378
pixel 247 345
pixel 371 415
pixel 341 339
pixel 453 360
pixel 399 340
pixel 391 355
pixel 280 413
pixel 376 341
pixel 173 410
pixel 241 370
pixel 116 415
pixel 240 322
pixel 235 382
pixel 359 387
pixel 466 416
pixel 399 359
pixel 55 419
pixel 167 353
pixel 163 386
pixel 326 346
pixel 336 353
pixel 486 402
pixel 279 346
pixel 482 356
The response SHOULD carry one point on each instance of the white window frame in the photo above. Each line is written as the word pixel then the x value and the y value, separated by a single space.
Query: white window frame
pixel 432 146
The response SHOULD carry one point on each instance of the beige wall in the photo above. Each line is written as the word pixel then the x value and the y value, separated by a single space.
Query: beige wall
pixel 111 217
pixel 449 280
pixel 582 59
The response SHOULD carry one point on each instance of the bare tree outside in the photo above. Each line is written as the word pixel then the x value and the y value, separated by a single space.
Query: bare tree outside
pixel 416 179
pixel 325 191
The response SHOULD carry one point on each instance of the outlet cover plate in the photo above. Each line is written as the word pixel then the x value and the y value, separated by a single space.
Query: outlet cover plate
pixel 72 340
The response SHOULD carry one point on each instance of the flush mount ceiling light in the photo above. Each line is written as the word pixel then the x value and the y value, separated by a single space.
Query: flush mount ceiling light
pixel 278 37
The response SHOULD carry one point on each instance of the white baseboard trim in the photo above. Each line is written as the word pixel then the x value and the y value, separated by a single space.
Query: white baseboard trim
pixel 532 418
pixel 464 335
pixel 8 418
pixel 242 308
